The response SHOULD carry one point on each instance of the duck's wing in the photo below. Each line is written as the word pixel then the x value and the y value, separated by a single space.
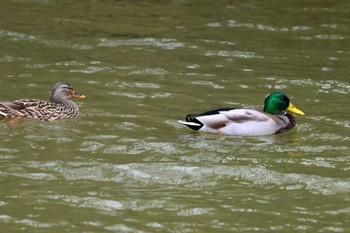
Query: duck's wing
pixel 216 111
pixel 256 122
pixel 21 104
pixel 245 115
pixel 12 108
pixel 210 119
pixel 25 108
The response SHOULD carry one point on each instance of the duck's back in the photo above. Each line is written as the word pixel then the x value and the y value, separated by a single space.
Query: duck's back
pixel 39 109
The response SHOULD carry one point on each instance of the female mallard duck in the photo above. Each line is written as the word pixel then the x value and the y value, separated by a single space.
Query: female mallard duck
pixel 59 106
pixel 247 121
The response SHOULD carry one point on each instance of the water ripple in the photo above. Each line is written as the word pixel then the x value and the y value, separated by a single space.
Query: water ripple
pixel 90 202
pixel 237 54
pixel 324 85
pixel 150 71
pixel 162 43
pixel 17 36
pixel 208 83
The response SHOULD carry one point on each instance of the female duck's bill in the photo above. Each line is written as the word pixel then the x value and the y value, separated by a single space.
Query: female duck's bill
pixel 78 95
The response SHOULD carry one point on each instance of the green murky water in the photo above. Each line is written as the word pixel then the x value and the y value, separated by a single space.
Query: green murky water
pixel 126 165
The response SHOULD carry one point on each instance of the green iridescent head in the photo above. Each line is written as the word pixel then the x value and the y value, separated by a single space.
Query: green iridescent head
pixel 277 102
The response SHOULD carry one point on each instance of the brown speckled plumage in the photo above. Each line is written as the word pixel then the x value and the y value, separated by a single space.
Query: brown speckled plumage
pixel 59 107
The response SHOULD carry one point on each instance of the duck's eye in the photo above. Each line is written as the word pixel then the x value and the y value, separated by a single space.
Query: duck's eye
pixel 68 88
pixel 284 98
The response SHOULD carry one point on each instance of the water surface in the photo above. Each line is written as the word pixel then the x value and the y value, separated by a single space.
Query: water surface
pixel 126 165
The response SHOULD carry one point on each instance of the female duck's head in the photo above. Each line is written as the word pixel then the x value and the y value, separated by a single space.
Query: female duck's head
pixel 277 102
pixel 62 91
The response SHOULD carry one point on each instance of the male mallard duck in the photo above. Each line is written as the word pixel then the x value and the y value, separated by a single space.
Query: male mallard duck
pixel 59 106
pixel 247 121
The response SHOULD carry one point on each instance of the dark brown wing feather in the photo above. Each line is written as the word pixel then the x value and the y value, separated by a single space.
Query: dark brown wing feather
pixel 38 109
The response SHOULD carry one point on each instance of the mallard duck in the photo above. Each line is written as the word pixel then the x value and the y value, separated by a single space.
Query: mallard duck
pixel 247 121
pixel 59 107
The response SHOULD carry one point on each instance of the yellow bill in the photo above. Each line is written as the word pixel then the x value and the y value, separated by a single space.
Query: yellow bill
pixel 293 109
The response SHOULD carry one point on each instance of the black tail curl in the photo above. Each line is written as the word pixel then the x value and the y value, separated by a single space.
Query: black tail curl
pixel 192 118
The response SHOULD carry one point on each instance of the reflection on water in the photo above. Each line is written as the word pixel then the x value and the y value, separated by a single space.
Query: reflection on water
pixel 127 165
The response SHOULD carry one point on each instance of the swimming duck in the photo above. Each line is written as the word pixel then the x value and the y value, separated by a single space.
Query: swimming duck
pixel 247 121
pixel 59 107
